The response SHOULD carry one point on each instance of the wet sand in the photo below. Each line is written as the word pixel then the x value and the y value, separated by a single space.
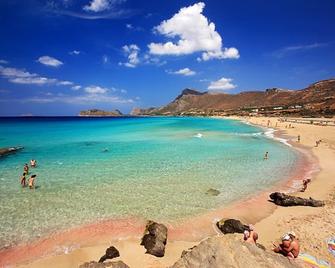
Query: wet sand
pixel 271 221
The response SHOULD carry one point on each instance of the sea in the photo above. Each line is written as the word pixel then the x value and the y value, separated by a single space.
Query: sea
pixel 93 169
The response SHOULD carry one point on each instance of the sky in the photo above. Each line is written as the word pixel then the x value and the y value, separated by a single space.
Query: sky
pixel 58 57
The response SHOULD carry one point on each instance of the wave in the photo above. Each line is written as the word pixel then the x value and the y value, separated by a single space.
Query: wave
pixel 198 135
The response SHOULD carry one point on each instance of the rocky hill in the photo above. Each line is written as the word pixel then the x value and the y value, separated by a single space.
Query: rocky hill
pixel 96 112
pixel 316 99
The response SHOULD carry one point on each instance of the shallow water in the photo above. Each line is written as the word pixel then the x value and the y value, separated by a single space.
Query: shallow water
pixel 159 168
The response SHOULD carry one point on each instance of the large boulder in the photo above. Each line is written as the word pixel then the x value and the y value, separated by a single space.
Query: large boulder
pixel 154 238
pixel 111 253
pixel 285 200
pixel 94 264
pixel 9 150
pixel 230 251
pixel 230 226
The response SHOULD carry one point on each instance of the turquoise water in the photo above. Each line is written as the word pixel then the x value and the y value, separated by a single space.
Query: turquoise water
pixel 100 168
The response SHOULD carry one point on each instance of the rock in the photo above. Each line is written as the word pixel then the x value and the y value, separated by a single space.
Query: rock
pixel 285 200
pixel 213 192
pixel 111 253
pixel 154 238
pixel 230 251
pixel 231 226
pixel 94 264
pixel 9 150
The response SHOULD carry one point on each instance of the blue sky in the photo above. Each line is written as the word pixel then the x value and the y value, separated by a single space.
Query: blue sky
pixel 60 57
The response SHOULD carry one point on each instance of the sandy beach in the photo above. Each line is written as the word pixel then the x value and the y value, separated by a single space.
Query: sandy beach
pixel 312 225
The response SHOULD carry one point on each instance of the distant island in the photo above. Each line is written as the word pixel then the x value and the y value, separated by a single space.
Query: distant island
pixel 317 99
pixel 97 112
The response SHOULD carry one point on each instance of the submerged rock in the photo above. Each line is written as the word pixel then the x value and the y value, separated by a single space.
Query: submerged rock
pixel 9 150
pixel 154 238
pixel 94 264
pixel 229 226
pixel 230 251
pixel 289 200
pixel 213 192
pixel 111 253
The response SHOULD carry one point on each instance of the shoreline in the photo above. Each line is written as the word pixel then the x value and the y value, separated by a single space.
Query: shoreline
pixel 201 225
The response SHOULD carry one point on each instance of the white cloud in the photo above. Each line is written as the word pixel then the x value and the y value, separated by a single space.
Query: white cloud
pixel 185 72
pixel 77 87
pixel 98 5
pixel 131 52
pixel 96 90
pixel 74 52
pixel 18 76
pixel 222 84
pixel 298 48
pixel 195 33
pixel 129 26
pixel 105 59
pixel 3 62
pixel 49 61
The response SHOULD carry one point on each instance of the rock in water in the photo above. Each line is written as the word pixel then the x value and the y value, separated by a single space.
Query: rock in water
pixel 9 150
pixel 288 200
pixel 231 226
pixel 230 251
pixel 94 264
pixel 154 238
pixel 111 253
pixel 213 192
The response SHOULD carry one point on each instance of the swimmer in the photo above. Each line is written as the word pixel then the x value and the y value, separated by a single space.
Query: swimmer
pixel 23 180
pixel 266 156
pixel 31 182
pixel 26 169
pixel 33 163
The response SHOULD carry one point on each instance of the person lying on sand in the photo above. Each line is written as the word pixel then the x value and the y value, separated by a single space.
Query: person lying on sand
pixel 250 236
pixel 31 182
pixel 23 180
pixel 289 246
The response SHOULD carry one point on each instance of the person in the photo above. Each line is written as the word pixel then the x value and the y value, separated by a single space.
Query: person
pixel 299 138
pixel 23 180
pixel 250 235
pixel 31 182
pixel 26 169
pixel 33 163
pixel 304 184
pixel 289 246
pixel 266 156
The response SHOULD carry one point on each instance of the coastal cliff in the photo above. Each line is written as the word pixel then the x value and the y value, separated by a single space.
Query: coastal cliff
pixel 97 112
pixel 315 100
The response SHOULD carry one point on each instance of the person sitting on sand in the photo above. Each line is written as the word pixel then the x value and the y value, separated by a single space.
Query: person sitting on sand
pixel 298 138
pixel 31 182
pixel 25 169
pixel 23 180
pixel 250 236
pixel 266 156
pixel 33 163
pixel 304 184
pixel 289 246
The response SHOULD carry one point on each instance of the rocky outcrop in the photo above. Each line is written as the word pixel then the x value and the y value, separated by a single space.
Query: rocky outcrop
pixel 285 200
pixel 230 226
pixel 97 112
pixel 111 253
pixel 9 150
pixel 230 251
pixel 94 264
pixel 317 99
pixel 155 238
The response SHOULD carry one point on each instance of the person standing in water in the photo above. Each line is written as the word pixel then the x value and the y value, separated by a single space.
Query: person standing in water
pixel 33 163
pixel 266 156
pixel 31 182
pixel 23 180
pixel 26 169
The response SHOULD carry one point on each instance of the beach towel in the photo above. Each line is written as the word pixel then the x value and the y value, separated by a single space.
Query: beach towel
pixel 312 261
pixel 331 245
